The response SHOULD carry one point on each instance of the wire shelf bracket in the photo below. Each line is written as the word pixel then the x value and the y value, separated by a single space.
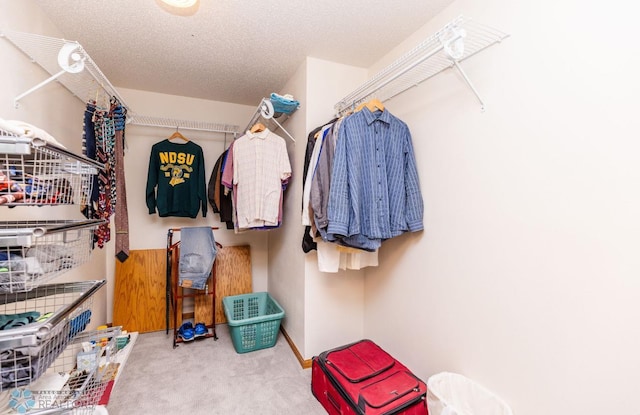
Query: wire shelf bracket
pixel 266 111
pixel 66 61
pixel 455 42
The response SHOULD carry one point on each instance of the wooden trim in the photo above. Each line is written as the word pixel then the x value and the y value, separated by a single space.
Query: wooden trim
pixel 306 364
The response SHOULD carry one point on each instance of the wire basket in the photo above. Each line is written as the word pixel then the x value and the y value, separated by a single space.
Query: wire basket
pixel 73 384
pixel 38 325
pixel 36 172
pixel 32 253
pixel 253 319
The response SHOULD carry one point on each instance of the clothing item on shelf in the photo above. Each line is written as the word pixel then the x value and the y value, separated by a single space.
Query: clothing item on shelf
pixel 284 104
pixel 176 180
pixel 25 129
pixel 197 255
pixel 8 321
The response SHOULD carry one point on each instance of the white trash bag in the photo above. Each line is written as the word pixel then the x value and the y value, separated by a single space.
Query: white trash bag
pixel 453 394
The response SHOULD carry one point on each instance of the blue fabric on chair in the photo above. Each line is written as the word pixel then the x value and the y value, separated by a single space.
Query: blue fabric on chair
pixel 197 254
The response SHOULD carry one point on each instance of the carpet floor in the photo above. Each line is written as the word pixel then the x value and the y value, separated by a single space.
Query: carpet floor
pixel 208 377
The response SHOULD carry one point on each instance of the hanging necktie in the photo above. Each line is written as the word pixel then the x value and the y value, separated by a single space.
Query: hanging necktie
pixel 122 216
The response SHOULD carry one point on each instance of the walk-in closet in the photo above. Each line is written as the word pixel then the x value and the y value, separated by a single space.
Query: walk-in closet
pixel 226 207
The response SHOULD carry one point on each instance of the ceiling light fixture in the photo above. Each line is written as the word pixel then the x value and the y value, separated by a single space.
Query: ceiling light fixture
pixel 180 3
pixel 180 7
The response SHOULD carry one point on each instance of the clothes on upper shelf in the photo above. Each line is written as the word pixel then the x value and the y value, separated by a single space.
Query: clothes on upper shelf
pixel 361 186
pixel 176 180
pixel 257 170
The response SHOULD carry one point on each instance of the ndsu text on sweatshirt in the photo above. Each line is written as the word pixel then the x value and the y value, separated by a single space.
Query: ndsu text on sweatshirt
pixel 176 180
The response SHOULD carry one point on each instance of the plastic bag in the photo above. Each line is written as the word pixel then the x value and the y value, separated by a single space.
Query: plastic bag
pixel 453 394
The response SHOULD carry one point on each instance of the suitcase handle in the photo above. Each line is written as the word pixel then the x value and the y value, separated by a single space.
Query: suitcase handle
pixel 333 402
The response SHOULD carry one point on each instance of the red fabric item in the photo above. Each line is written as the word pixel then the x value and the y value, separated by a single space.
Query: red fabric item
pixel 104 399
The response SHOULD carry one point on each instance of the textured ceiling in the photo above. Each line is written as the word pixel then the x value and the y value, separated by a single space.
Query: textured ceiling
pixel 232 50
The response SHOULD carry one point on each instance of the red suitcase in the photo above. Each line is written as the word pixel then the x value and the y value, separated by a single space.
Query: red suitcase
pixel 362 379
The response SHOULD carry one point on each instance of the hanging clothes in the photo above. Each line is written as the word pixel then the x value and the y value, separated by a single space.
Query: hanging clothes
pixel 375 191
pixel 219 199
pixel 261 170
pixel 176 180
pixel 99 138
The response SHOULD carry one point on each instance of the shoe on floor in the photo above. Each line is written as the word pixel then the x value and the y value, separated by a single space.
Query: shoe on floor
pixel 201 330
pixel 186 332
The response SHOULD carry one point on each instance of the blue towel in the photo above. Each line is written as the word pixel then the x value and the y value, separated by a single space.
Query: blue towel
pixel 282 104
pixel 197 254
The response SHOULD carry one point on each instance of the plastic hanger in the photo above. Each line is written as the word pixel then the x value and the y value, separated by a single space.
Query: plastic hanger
pixel 178 135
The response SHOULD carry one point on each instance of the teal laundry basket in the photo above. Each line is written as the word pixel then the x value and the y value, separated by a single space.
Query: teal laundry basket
pixel 253 319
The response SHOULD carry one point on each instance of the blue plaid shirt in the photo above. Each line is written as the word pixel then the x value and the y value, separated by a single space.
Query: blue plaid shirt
pixel 375 191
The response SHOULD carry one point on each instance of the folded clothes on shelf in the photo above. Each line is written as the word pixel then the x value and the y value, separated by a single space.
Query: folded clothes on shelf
pixel 17 272
pixel 24 129
pixel 284 103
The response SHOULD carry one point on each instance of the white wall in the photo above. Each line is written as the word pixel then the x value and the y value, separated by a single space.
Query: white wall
pixel 53 109
pixel 526 276
pixel 334 303
pixel 316 316
pixel 286 264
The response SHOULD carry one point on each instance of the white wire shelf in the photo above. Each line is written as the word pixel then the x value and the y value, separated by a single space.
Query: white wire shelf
pixel 150 121
pixel 28 349
pixel 455 42
pixel 35 252
pixel 66 388
pixel 67 62
pixel 36 172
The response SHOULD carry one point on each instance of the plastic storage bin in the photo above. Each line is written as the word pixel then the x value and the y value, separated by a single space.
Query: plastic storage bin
pixel 453 394
pixel 253 319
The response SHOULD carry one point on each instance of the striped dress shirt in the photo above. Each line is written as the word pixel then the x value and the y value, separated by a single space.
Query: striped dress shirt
pixel 375 192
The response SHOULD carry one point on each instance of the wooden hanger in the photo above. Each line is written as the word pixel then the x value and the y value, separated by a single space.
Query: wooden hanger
pixel 373 105
pixel 258 127
pixel 178 135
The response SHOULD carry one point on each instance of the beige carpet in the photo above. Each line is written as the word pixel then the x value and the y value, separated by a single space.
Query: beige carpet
pixel 209 377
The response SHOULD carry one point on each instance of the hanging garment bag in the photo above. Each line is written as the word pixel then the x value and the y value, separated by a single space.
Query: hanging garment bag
pixel 362 379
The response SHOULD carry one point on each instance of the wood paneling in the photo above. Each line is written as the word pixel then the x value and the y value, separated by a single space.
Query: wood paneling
pixel 139 293
pixel 139 296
